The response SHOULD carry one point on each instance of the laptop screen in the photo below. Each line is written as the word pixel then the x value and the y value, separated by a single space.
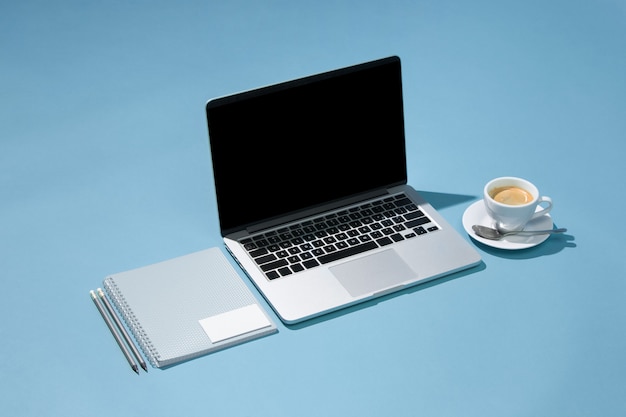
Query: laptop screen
pixel 299 144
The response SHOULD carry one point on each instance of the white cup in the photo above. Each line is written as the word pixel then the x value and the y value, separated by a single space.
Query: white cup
pixel 511 208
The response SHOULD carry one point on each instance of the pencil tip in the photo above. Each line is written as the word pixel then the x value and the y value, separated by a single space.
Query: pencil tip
pixel 136 369
pixel 145 367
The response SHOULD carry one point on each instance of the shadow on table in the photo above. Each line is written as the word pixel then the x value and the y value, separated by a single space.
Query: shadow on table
pixel 554 244
pixel 438 201
pixel 443 200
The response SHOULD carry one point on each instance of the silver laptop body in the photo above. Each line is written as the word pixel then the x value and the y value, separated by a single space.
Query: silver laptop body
pixel 312 195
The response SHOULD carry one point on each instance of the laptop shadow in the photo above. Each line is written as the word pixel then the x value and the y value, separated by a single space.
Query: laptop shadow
pixel 438 201
pixel 554 244
pixel 443 200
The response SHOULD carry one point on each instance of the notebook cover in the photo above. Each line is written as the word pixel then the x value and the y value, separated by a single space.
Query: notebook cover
pixel 186 307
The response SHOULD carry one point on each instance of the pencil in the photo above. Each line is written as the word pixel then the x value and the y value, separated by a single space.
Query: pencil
pixel 122 330
pixel 119 341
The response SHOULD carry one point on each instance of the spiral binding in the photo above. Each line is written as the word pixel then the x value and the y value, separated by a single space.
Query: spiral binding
pixel 131 321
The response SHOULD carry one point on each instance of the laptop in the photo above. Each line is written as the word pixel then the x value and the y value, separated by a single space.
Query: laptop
pixel 312 195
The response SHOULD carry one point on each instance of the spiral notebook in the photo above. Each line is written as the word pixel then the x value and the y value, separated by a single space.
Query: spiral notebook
pixel 187 307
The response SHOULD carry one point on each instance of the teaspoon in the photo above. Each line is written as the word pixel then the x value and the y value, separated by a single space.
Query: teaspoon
pixel 494 234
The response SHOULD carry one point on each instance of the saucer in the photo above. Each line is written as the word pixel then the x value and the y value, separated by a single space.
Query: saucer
pixel 476 214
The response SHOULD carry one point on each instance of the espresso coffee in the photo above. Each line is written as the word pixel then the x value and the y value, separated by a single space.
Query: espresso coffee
pixel 511 195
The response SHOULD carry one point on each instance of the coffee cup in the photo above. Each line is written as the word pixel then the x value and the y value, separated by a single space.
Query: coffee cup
pixel 512 202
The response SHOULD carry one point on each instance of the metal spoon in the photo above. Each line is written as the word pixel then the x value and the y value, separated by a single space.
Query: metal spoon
pixel 494 234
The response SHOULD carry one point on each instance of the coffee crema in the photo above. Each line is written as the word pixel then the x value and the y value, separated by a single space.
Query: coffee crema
pixel 511 195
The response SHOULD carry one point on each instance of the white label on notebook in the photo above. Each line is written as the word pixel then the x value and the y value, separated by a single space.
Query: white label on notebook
pixel 234 323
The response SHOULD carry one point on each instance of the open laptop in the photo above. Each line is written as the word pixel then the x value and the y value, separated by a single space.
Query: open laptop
pixel 312 196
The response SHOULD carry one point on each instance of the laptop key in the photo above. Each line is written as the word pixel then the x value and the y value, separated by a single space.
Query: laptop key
pixel 273 239
pixel 258 252
pixel 342 245
pixel 353 250
pixel 402 202
pixel 265 259
pixel 397 237
pixel 272 275
pixel 330 248
pixel 273 248
pixel 413 215
pixel 310 263
pixel 417 222
pixel 284 271
pixel 273 265
pixel 250 246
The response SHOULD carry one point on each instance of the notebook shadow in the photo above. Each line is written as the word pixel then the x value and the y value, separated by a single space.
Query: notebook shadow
pixel 371 303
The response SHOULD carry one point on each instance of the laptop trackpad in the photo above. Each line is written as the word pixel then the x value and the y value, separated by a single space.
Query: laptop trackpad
pixel 373 273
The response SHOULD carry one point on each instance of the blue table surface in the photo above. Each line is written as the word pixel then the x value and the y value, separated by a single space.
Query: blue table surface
pixel 105 166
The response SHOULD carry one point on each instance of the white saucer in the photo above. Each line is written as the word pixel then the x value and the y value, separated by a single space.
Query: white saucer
pixel 476 214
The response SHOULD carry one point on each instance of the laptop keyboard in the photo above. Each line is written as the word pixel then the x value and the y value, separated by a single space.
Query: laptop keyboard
pixel 327 238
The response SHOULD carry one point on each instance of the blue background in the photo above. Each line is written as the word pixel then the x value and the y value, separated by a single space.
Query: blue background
pixel 104 167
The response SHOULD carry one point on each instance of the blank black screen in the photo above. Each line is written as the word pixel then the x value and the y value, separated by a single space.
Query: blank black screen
pixel 307 142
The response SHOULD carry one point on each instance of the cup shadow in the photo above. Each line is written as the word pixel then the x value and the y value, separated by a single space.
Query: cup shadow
pixel 554 244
